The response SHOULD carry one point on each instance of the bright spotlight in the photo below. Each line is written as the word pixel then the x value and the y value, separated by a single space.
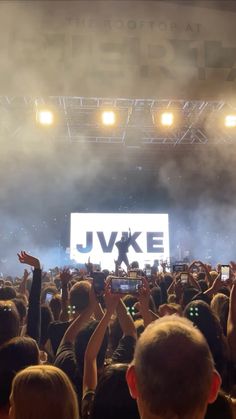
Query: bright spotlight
pixel 45 117
pixel 167 119
pixel 108 118
pixel 230 121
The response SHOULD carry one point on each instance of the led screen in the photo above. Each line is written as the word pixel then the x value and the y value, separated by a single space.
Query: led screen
pixel 95 235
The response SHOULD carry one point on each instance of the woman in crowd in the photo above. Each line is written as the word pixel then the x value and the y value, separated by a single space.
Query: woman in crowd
pixel 43 392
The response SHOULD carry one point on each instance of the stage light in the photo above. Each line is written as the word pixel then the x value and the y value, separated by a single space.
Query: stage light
pixel 45 117
pixel 230 121
pixel 108 118
pixel 167 119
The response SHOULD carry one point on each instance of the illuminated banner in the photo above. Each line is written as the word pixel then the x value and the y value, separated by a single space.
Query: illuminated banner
pixel 139 49
pixel 95 236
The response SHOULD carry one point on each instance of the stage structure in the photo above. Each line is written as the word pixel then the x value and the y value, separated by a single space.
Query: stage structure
pixel 137 121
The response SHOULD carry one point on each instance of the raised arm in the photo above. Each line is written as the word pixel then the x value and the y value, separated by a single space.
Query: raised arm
pixel 33 318
pixel 217 284
pixel 231 324
pixel 194 282
pixel 65 277
pixel 90 359
pixel 144 297
pixel 125 320
pixel 128 240
pixel 89 267
pixel 23 284
pixel 205 267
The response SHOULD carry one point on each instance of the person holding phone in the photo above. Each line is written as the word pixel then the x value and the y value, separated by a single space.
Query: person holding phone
pixel 122 354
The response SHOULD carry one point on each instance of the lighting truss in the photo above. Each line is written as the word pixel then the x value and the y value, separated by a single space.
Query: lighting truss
pixel 77 120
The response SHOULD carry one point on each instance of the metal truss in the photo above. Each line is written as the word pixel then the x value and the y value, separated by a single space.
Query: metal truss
pixel 77 120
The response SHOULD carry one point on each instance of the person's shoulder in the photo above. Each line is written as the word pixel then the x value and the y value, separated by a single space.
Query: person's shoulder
pixel 127 340
pixel 66 347
pixel 125 350
pixel 57 326
pixel 65 358
pixel 56 332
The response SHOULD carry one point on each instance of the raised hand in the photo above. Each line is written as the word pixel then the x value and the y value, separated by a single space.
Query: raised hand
pixel 233 267
pixel 144 292
pixel 65 276
pixel 22 287
pixel 178 288
pixel 28 259
pixel 111 300
pixel 89 266
pixel 26 274
pixel 144 298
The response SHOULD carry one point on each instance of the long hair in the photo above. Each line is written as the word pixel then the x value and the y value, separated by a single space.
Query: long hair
pixel 9 321
pixel 43 391
pixel 15 355
pixel 207 322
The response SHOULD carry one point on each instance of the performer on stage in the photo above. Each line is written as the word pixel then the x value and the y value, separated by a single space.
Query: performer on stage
pixel 123 246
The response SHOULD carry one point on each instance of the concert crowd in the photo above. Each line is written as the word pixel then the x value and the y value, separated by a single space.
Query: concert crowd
pixel 134 343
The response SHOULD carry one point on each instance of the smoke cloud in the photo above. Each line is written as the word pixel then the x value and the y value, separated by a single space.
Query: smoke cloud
pixel 45 177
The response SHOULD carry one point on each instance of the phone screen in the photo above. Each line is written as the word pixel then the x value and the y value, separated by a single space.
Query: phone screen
pixel 179 267
pixel 125 285
pixel 184 278
pixel 225 271
pixel 48 297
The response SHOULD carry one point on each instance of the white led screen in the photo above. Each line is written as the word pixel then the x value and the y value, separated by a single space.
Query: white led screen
pixel 94 235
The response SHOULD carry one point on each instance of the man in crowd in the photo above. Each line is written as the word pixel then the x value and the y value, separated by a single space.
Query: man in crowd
pixel 172 375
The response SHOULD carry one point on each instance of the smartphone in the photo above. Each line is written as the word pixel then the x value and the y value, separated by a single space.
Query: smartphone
pixel 179 267
pixel 225 272
pixel 184 278
pixel 98 282
pixel 148 272
pixel 48 297
pixel 125 285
